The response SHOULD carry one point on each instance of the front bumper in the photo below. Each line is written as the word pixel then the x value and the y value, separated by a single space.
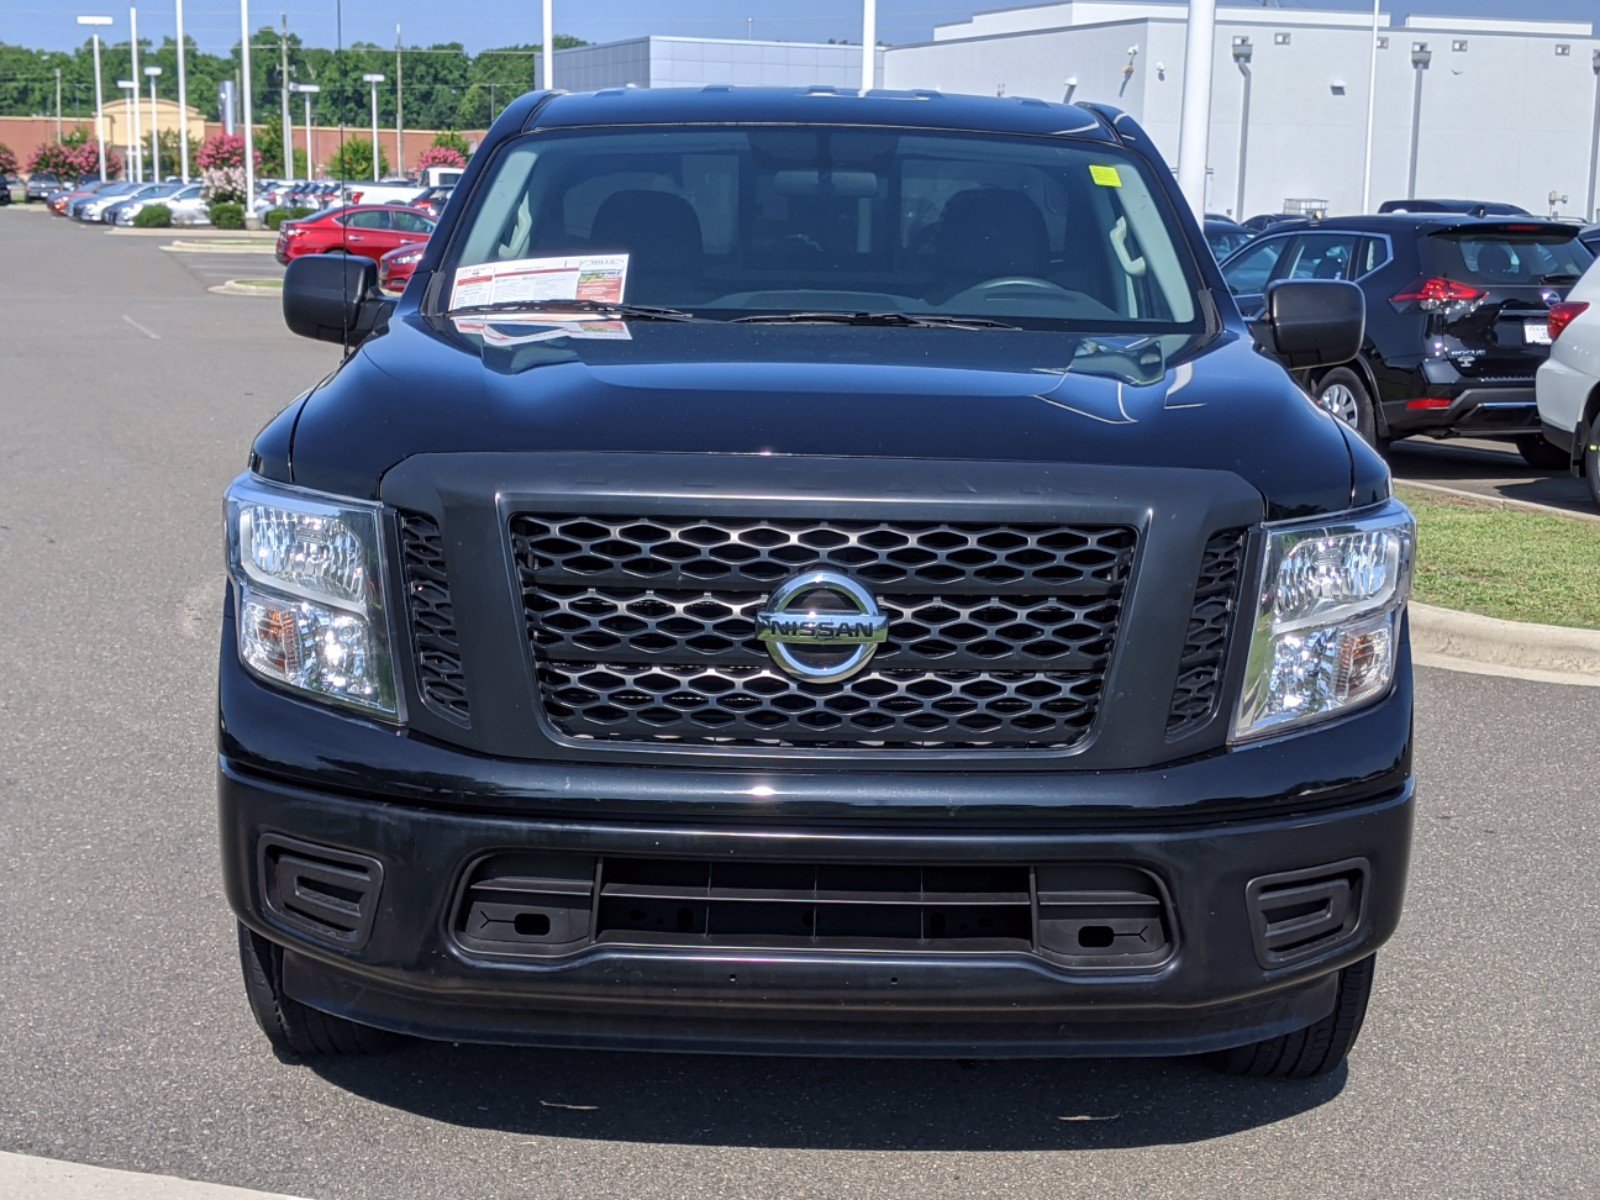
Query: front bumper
pixel 410 970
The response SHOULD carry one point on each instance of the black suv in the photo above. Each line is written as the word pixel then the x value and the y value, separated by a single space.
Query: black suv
pixel 1457 318
pixel 803 572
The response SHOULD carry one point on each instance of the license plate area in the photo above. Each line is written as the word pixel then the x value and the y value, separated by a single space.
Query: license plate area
pixel 1536 333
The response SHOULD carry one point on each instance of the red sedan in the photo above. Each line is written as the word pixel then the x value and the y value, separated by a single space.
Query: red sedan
pixel 395 267
pixel 370 230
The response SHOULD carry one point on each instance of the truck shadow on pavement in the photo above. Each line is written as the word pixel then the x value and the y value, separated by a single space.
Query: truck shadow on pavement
pixel 834 1104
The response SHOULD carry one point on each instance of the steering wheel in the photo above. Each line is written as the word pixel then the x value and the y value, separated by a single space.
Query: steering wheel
pixel 1023 287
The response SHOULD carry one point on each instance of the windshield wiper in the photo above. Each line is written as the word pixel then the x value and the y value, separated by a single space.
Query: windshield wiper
pixel 888 319
pixel 600 308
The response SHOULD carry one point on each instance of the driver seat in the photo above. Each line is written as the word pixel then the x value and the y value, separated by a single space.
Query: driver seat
pixel 989 233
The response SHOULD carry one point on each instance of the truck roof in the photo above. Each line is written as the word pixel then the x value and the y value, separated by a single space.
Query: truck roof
pixel 725 103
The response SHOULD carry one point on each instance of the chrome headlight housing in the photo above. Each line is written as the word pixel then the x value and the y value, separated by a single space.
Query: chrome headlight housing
pixel 307 572
pixel 1326 633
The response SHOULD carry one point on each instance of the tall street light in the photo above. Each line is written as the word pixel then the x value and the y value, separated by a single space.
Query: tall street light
pixel 130 87
pixel 95 24
pixel 1421 56
pixel 1242 51
pixel 152 74
pixel 1590 212
pixel 249 133
pixel 374 79
pixel 1194 126
pixel 1372 112
pixel 307 90
pixel 138 125
pixel 869 44
pixel 183 102
pixel 547 56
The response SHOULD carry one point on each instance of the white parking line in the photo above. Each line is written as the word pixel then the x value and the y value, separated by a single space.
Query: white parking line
pixel 149 333
pixel 23 1177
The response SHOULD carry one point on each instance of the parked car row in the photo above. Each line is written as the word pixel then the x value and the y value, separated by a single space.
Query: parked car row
pixel 367 230
pixel 1459 316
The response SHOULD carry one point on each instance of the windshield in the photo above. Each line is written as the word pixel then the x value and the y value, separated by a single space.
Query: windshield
pixel 732 221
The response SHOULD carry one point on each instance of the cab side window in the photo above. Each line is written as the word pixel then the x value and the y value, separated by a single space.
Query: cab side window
pixel 1248 274
pixel 1321 256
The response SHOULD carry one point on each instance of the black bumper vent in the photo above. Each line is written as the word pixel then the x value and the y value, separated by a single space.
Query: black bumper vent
pixel 327 893
pixel 643 630
pixel 1075 915
pixel 1300 914
pixel 433 625
pixel 1205 648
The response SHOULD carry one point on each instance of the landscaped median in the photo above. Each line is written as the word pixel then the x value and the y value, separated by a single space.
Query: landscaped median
pixel 1505 587
pixel 250 287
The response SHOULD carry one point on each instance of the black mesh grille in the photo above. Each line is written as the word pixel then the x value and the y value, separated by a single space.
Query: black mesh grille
pixel 644 630
pixel 1205 648
pixel 433 627
pixel 893 709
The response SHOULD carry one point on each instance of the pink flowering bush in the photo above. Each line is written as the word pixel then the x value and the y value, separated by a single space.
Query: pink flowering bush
pixel 440 156
pixel 222 173
pixel 8 160
pixel 74 162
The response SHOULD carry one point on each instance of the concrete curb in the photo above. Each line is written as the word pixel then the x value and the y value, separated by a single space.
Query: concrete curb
pixel 219 247
pixel 1545 510
pixel 29 1178
pixel 240 287
pixel 196 233
pixel 1446 637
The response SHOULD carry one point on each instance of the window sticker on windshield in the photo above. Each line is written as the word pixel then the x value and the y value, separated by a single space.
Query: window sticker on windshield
pixel 1105 176
pixel 599 278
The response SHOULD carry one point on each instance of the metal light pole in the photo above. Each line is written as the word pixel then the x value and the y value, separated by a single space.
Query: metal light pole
pixel 1421 56
pixel 869 44
pixel 547 48
pixel 1590 212
pixel 183 102
pixel 138 125
pixel 152 74
pixel 128 86
pixel 283 95
pixel 374 80
pixel 1372 113
pixel 95 23
pixel 1242 51
pixel 249 133
pixel 399 107
pixel 307 90
pixel 58 106
pixel 1195 124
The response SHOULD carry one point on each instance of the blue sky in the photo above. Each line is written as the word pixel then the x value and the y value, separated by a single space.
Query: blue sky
pixel 481 23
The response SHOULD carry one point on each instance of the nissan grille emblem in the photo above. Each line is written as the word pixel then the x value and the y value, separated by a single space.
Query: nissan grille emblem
pixel 821 626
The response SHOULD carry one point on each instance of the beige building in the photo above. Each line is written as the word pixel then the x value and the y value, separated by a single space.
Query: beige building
pixel 119 124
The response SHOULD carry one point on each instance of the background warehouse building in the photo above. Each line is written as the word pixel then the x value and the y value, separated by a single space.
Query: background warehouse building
pixel 1488 109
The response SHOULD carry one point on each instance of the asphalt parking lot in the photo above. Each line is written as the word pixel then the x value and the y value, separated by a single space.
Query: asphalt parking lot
pixel 129 395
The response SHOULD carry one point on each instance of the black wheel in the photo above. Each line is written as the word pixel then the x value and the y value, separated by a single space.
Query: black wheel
pixel 1542 455
pixel 1591 459
pixel 1315 1050
pixel 1343 393
pixel 293 1028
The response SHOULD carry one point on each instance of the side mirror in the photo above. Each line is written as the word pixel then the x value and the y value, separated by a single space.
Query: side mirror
pixel 334 298
pixel 1312 323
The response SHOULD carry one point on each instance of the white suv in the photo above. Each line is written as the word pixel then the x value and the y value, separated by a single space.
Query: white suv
pixel 1569 381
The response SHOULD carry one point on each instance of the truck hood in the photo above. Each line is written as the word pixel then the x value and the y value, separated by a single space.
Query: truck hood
pixel 431 386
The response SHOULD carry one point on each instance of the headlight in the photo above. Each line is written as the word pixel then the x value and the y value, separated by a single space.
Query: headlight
pixel 307 571
pixel 1327 621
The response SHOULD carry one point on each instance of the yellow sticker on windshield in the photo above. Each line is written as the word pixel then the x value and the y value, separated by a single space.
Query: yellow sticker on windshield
pixel 1105 176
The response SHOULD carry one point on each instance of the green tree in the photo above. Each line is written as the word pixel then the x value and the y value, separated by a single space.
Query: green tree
pixel 449 140
pixel 353 160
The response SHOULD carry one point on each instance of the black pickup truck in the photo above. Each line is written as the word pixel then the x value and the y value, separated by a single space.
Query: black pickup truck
pixel 816 573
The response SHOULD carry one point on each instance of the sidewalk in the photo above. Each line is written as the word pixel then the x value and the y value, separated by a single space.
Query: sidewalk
pixel 23 1177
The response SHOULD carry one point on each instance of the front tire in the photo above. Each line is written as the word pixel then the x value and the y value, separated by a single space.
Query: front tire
pixel 1344 393
pixel 1542 455
pixel 297 1030
pixel 1316 1050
